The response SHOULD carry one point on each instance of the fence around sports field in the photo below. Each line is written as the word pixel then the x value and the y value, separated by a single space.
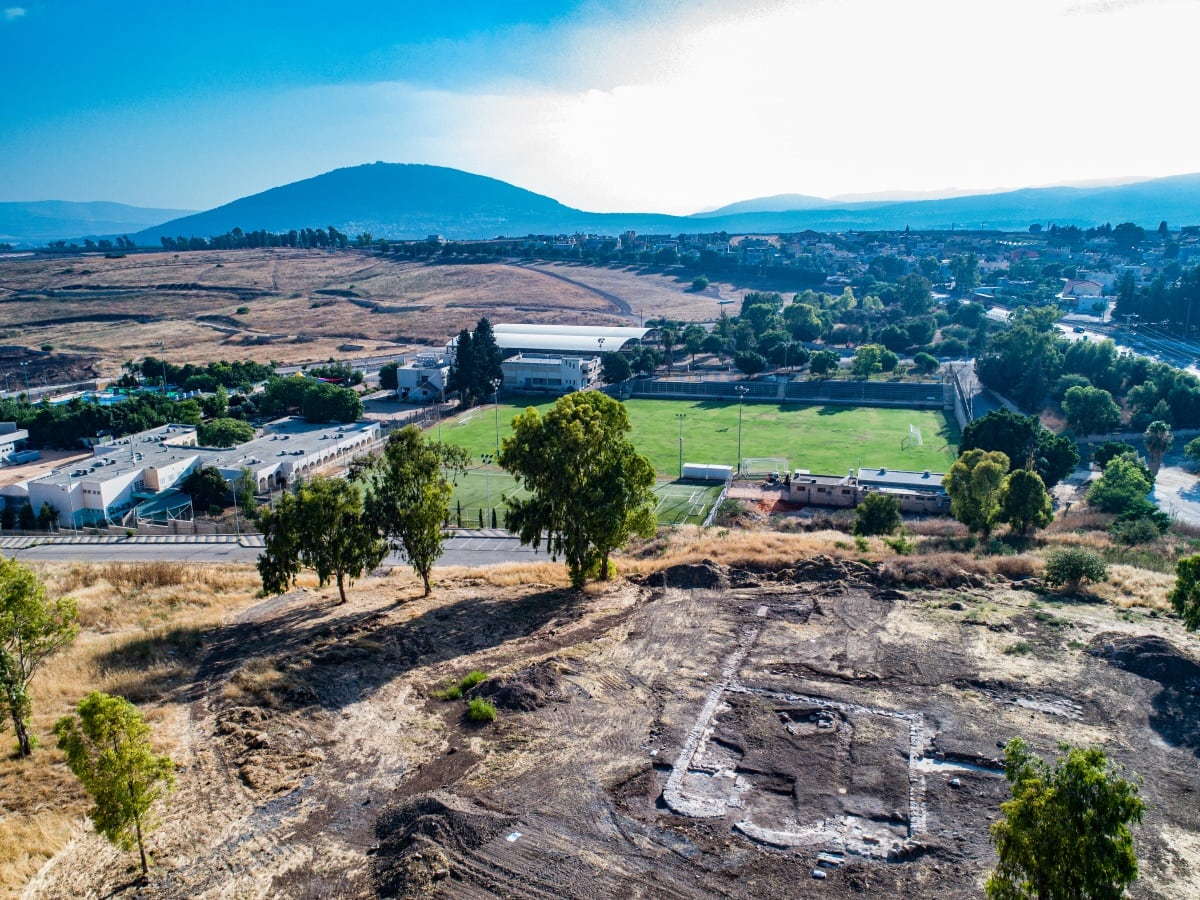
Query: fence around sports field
pixel 910 394
pixel 480 492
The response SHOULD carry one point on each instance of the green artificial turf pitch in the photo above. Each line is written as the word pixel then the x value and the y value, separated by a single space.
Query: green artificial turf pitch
pixel 822 439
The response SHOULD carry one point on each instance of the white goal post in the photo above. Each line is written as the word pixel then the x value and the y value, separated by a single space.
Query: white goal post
pixel 756 468
pixel 913 439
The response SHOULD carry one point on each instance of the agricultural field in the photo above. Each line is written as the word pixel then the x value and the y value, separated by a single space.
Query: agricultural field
pixel 822 439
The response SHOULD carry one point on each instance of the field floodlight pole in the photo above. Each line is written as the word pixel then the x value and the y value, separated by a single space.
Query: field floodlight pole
pixel 487 477
pixel 163 350
pixel 742 390
pixel 496 404
pixel 25 372
pixel 680 417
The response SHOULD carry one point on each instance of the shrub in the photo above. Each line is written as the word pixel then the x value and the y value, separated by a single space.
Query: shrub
pixel 472 678
pixel 1020 648
pixel 879 513
pixel 480 712
pixel 455 689
pixel 1072 566
pixel 449 692
pixel 242 310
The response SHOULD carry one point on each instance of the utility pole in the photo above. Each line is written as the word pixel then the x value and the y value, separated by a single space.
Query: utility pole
pixel 680 417
pixel 742 390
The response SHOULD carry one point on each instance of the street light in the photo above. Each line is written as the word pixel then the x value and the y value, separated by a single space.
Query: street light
pixel 680 417
pixel 742 390
pixel 25 371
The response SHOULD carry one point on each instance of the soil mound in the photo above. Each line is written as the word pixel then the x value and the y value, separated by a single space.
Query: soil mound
pixel 419 838
pixel 705 575
pixel 825 568
pixel 529 689
pixel 1149 656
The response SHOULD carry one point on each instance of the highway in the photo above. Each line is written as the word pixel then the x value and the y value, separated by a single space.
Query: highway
pixel 475 547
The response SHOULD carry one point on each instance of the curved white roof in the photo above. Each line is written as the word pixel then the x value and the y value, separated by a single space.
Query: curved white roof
pixel 624 332
pixel 561 343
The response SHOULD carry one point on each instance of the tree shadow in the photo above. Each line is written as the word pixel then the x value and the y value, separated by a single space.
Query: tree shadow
pixel 835 410
pixel 330 663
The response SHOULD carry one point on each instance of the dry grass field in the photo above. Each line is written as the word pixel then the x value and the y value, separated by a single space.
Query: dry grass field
pixel 317 760
pixel 293 305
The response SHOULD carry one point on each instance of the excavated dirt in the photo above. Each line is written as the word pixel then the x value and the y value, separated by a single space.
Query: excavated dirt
pixel 805 730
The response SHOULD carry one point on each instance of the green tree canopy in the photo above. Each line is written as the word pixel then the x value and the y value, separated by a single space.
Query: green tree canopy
pixel 320 527
pixel 408 491
pixel 974 483
pixel 748 362
pixel 589 488
pixel 1024 503
pixel 1185 595
pixel 32 627
pixel 867 360
pixel 1070 567
pixel 1123 485
pixel 1065 832
pixel 824 362
pixel 615 368
pixel 388 380
pixel 879 513
pixel 206 486
pixel 1025 442
pixel 1090 410
pixel 108 749
pixel 925 363
pixel 1158 439
pixel 324 402
pixel 476 371
pixel 224 433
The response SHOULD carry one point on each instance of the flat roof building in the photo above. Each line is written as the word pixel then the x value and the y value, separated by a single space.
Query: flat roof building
pixel 137 469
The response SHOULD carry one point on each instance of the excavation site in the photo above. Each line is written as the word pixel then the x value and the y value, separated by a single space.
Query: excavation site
pixel 826 728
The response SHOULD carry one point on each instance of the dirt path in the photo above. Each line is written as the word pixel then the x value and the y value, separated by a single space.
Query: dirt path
pixel 622 306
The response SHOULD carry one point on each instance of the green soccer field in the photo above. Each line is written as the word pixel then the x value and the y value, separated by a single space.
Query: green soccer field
pixel 677 502
pixel 822 439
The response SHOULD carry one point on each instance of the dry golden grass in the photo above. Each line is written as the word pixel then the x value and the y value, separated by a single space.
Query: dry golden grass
pixel 140 636
pixel 121 308
pixel 1128 586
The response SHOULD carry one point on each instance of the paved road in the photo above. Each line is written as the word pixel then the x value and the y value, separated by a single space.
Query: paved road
pixel 480 547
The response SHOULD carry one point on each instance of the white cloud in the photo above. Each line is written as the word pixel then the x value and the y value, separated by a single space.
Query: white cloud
pixel 13 12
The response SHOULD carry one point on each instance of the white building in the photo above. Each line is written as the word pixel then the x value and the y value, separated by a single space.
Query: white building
pixel 143 467
pixel 551 373
pixel 424 379
pixel 12 439
pixel 582 340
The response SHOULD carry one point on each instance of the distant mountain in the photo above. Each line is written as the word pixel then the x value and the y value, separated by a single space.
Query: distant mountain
pixel 1175 199
pixel 403 201
pixel 50 220
pixel 774 203
pixel 391 200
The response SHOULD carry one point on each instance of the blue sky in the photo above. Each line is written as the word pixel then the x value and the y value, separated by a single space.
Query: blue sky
pixel 656 105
